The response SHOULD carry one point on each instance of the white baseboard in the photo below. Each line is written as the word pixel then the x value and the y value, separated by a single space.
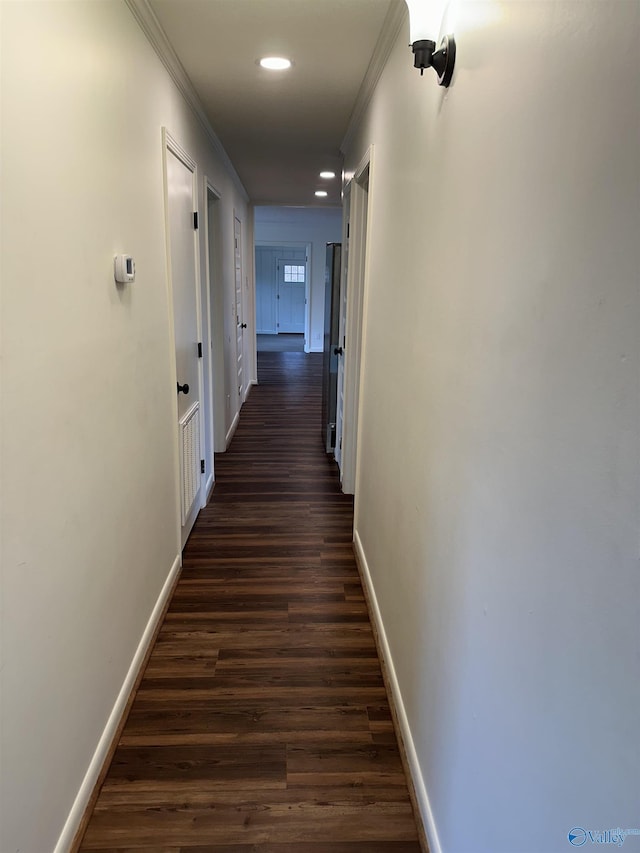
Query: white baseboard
pixel 209 488
pixel 412 756
pixel 232 429
pixel 104 744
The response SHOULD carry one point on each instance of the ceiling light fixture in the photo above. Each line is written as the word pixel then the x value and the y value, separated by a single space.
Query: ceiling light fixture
pixel 423 23
pixel 275 63
pixel 322 193
pixel 327 175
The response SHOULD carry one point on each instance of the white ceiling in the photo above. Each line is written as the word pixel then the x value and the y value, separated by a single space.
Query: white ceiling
pixel 279 129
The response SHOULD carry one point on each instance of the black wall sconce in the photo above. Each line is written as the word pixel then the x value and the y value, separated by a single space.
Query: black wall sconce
pixel 423 22
pixel 442 60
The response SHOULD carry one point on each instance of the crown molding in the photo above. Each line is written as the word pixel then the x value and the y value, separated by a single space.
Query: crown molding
pixel 391 27
pixel 151 27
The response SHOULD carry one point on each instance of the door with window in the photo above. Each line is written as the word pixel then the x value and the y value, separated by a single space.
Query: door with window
pixel 292 283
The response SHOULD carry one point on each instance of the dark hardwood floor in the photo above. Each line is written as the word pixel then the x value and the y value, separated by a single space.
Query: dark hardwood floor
pixel 261 724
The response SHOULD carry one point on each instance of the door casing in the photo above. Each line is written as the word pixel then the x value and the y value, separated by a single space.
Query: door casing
pixel 355 319
pixel 214 324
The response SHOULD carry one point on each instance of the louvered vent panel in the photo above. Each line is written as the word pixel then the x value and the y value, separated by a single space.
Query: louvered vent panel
pixel 190 432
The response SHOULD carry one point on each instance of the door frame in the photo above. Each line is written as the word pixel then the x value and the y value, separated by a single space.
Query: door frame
pixel 242 390
pixel 169 143
pixel 342 324
pixel 292 244
pixel 355 333
pixel 214 303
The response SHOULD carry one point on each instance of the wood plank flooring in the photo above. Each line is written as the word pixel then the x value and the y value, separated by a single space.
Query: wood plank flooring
pixel 261 724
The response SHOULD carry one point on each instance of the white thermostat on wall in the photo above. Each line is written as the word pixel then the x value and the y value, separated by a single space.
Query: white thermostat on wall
pixel 124 268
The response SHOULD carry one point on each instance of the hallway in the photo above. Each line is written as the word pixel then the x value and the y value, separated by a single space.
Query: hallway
pixel 262 723
pixel 490 363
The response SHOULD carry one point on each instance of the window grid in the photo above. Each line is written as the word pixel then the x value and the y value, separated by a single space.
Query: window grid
pixel 293 273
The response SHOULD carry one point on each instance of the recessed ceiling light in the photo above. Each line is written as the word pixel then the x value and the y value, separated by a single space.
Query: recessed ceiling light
pixel 327 175
pixel 322 193
pixel 275 63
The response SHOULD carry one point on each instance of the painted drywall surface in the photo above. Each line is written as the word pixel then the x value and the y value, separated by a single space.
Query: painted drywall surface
pixel 89 516
pixel 498 479
pixel 304 225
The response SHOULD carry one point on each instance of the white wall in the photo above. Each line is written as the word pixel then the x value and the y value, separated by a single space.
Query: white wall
pixel 304 225
pixel 498 491
pixel 89 511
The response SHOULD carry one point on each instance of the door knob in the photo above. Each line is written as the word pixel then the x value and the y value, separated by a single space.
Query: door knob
pixel 243 325
pixel 184 388
pixel 337 350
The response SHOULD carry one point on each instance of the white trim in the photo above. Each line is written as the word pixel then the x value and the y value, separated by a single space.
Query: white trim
pixel 106 739
pixel 212 352
pixel 308 297
pixel 232 429
pixel 209 490
pixel 250 286
pixel 393 23
pixel 215 288
pixel 342 328
pixel 364 167
pixel 422 797
pixel 355 326
pixel 151 27
pixel 174 146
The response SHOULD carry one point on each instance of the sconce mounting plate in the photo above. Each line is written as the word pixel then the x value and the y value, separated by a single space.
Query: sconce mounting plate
pixel 444 60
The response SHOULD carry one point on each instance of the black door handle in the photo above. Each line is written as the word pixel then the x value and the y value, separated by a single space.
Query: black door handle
pixel 337 350
pixel 243 325
pixel 184 388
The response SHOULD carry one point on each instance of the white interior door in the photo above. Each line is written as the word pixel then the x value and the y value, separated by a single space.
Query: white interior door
pixel 183 273
pixel 292 284
pixel 240 325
